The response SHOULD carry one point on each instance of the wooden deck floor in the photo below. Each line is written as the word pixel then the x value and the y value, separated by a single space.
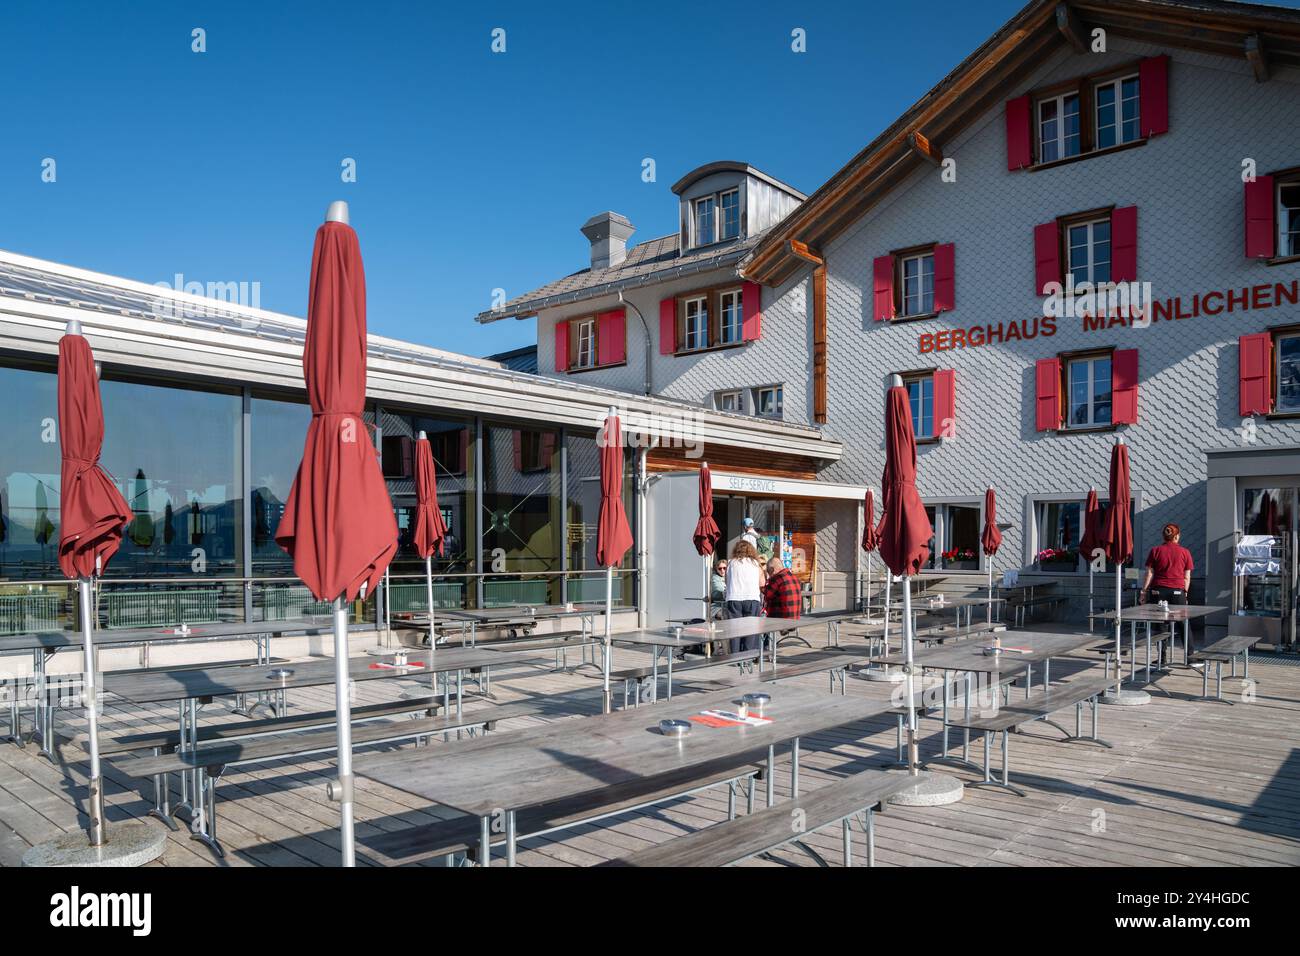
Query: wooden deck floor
pixel 1188 783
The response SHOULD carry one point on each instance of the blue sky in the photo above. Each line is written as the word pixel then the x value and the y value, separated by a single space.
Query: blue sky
pixel 474 169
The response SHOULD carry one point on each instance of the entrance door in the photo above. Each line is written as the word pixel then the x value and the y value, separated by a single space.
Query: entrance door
pixel 769 519
pixel 1265 604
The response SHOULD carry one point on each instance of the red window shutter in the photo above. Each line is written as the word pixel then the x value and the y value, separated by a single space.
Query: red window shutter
pixel 882 278
pixel 1254 373
pixel 548 449
pixel 561 346
pixel 944 277
pixel 1124 387
pixel 462 452
pixel 1047 256
pixel 1047 404
pixel 1020 154
pixel 751 309
pixel 518 438
pixel 945 402
pixel 1153 95
pixel 667 326
pixel 1124 244
pixel 611 338
pixel 1261 221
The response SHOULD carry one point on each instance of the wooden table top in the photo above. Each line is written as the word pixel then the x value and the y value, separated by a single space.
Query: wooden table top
pixel 158 686
pixel 738 627
pixel 969 655
pixel 567 758
pixel 1153 612
pixel 54 640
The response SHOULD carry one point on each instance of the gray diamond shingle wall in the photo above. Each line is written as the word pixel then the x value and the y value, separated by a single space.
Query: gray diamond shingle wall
pixel 1187 186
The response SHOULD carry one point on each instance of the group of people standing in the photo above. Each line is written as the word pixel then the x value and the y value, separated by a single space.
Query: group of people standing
pixel 745 586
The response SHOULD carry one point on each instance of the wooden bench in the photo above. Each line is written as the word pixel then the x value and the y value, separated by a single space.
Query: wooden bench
pixel 207 764
pixel 1020 609
pixel 459 836
pixel 169 740
pixel 1037 707
pixel 736 840
pixel 1224 649
pixel 639 677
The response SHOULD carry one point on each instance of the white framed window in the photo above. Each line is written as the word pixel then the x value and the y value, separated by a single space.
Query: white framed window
pixel 1288 218
pixel 1088 391
pixel 1088 247
pixel 729 401
pixel 731 311
pixel 705 226
pixel 729 214
pixel 696 312
pixel 920 395
pixel 1286 372
pixel 917 274
pixel 1058 127
pixel 1117 112
pixel 769 401
pixel 585 357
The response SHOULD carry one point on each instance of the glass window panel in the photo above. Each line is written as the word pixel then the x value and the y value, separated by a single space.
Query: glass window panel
pixel 1288 373
pixel 732 317
pixel 704 221
pixel 731 214
pixel 961 538
pixel 1059 527
pixel 1071 126
pixel 278 431
pixel 29 492
pixel 520 516
pixel 582 501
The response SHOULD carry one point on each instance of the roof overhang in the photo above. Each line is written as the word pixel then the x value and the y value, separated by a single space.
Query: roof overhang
pixel 268 353
pixel 981 81
pixel 731 166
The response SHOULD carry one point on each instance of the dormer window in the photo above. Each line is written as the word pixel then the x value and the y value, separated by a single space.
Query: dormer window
pixel 717 217
pixel 705 213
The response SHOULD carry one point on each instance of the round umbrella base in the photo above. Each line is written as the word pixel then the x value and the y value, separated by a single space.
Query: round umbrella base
pixel 1126 698
pixel 930 790
pixel 895 676
pixel 128 844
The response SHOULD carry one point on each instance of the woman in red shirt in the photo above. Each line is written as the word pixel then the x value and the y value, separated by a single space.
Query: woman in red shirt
pixel 1169 570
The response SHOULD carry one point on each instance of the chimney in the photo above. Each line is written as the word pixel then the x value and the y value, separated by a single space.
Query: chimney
pixel 608 233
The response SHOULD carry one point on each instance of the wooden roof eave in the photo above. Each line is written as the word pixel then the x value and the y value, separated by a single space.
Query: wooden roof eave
pixel 939 115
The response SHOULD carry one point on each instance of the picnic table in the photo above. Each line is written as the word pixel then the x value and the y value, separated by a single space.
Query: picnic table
pixel 959 604
pixel 45 644
pixel 1149 614
pixel 189 687
pixel 1021 651
pixel 488 778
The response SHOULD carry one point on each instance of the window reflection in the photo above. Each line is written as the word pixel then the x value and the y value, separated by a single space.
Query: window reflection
pixel 582 500
pixel 521 522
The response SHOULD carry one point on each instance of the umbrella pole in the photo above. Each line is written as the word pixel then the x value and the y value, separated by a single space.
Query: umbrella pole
pixel 912 761
pixel 1119 630
pixel 990 604
pixel 606 705
pixel 1090 608
pixel 867 604
pixel 341 790
pixel 889 584
pixel 96 804
pixel 708 595
pixel 428 593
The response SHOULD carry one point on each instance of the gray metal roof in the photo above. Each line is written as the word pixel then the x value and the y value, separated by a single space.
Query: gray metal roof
pixel 647 263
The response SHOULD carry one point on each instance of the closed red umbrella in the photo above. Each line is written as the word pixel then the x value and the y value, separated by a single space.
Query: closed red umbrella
pixel 905 530
pixel 92 513
pixel 613 536
pixel 338 520
pixel 869 544
pixel 707 534
pixel 990 539
pixel 430 529
pixel 1117 539
pixel 1090 541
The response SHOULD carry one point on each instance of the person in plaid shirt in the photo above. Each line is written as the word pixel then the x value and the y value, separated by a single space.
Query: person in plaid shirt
pixel 783 594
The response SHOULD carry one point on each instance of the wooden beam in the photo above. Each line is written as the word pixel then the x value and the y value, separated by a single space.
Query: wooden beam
pixel 801 251
pixel 919 144
pixel 1256 58
pixel 1071 28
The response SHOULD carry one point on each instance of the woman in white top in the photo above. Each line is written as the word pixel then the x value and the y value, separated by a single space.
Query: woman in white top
pixel 744 596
